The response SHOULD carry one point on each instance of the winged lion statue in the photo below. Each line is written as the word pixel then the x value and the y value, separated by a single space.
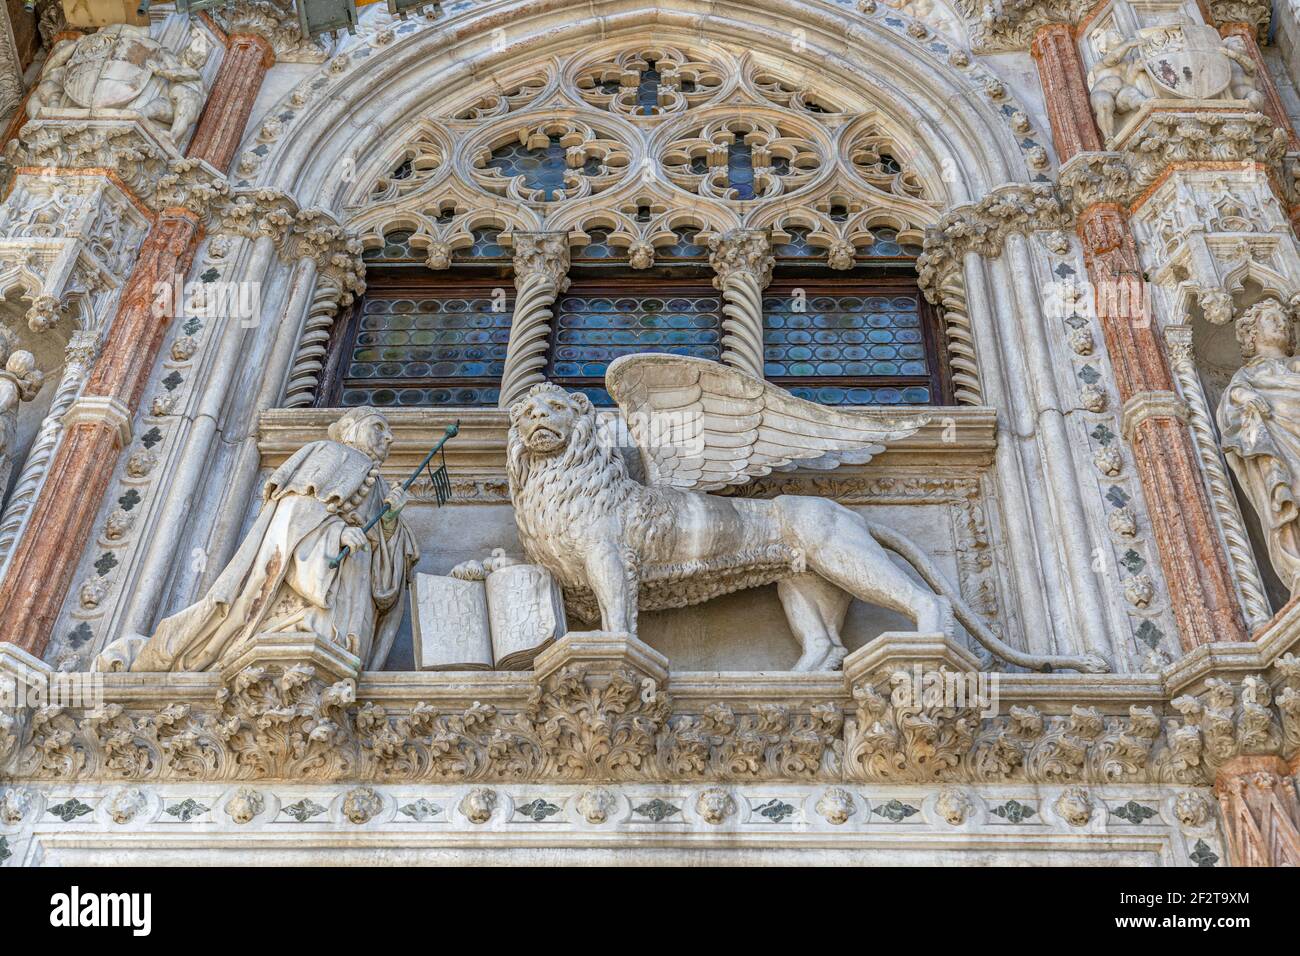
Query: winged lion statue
pixel 619 545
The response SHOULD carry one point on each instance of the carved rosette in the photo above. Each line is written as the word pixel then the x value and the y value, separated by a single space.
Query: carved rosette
pixel 541 263
pixel 742 261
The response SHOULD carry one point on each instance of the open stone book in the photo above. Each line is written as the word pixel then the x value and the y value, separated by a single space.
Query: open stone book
pixel 500 623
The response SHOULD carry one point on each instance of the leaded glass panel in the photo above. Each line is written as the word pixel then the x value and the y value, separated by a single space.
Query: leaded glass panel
pixel 849 349
pixel 541 168
pixel 593 329
pixel 443 350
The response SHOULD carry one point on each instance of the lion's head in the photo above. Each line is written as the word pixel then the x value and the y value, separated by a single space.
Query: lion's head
pixel 546 419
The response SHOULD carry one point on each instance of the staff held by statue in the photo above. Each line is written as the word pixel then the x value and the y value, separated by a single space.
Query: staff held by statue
pixel 437 477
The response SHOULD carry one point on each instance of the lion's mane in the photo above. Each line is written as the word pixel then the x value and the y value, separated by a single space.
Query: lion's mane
pixel 560 497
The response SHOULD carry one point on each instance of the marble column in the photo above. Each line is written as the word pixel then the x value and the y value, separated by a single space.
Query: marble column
pixel 1201 590
pixel 1263 79
pixel 231 101
pixel 541 274
pixel 1261 815
pixel 743 261
pixel 1068 108
pixel 78 358
pixel 98 424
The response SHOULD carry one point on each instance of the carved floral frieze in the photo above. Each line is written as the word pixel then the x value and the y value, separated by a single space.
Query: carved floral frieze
pixel 584 722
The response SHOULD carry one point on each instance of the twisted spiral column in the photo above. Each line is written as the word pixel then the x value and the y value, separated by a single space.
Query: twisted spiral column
pixel 1241 557
pixel 743 261
pixel 313 344
pixel 78 358
pixel 541 273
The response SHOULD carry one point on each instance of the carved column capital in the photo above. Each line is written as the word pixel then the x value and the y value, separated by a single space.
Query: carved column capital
pixel 1013 25
pixel 82 349
pixel 275 23
pixel 1261 815
pixel 746 251
pixel 1253 15
pixel 541 256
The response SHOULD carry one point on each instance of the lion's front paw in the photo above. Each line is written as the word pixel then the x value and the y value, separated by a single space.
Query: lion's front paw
pixel 469 571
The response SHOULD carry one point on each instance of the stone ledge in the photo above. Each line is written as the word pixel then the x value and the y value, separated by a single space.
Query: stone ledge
pixel 955 435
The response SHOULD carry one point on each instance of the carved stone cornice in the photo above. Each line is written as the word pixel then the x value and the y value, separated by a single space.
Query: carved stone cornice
pixel 1010 25
pixel 155 175
pixel 275 21
pixel 1203 136
pixel 597 719
pixel 982 228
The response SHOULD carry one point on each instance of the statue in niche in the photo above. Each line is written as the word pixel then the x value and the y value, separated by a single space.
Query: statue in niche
pixel 121 67
pixel 280 579
pixel 20 380
pixel 617 545
pixel 1259 422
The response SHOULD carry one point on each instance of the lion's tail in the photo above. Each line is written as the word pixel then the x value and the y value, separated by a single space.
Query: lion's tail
pixel 931 575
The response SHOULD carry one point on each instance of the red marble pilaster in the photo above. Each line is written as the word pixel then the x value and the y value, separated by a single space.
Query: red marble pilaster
pixel 1068 109
pixel 1201 591
pixel 45 558
pixel 1196 571
pixel 231 101
pixel 1263 79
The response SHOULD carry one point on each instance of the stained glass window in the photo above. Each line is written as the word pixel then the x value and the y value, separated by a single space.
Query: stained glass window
pixel 426 350
pixel 542 168
pixel 647 91
pixel 396 248
pixel 593 327
pixel 842 347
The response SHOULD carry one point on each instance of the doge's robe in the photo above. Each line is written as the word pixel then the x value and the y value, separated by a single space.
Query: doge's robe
pixel 1264 452
pixel 280 581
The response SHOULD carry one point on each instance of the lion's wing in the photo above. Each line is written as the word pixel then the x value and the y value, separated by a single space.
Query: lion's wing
pixel 702 425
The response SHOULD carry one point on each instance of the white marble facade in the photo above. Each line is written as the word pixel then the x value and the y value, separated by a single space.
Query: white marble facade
pixel 1025 494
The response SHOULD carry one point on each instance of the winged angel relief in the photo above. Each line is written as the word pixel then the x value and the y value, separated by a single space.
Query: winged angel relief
pixel 618 545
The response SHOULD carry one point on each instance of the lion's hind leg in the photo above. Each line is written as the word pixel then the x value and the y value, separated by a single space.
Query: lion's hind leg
pixel 838 545
pixel 815 610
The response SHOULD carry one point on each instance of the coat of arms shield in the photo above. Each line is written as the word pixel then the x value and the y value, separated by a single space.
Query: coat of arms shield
pixel 110 69
pixel 1185 60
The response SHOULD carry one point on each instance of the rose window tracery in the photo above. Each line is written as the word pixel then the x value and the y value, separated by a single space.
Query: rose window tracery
pixel 741 159
pixel 649 82
pixel 417 163
pixel 876 159
pixel 499 102
pixel 785 92
pixel 550 162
